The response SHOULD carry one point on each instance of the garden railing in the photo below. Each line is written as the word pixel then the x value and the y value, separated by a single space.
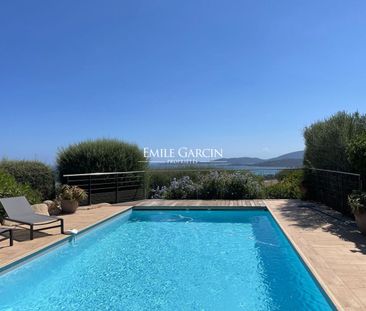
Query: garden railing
pixel 331 188
pixel 111 187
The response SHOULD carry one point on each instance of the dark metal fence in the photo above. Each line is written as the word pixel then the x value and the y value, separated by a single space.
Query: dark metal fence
pixel 331 187
pixel 115 187
pixel 110 187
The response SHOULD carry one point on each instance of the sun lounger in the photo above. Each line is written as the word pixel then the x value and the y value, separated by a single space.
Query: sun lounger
pixel 19 210
pixel 10 232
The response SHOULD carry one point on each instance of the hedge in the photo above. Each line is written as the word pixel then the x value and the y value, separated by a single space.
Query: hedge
pixel 101 155
pixel 37 175
pixel 356 152
pixel 326 141
pixel 10 188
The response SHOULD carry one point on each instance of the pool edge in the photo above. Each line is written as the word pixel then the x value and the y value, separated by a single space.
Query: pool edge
pixel 197 208
pixel 307 262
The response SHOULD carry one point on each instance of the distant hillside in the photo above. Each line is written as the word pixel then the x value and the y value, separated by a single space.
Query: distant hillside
pixel 291 155
pixel 293 159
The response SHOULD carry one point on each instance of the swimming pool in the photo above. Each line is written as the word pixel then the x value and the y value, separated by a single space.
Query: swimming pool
pixel 166 260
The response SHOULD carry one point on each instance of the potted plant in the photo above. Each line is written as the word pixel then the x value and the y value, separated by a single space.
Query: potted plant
pixel 70 196
pixel 357 202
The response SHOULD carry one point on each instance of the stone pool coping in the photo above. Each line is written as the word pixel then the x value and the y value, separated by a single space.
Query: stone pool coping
pixel 308 263
pixel 331 246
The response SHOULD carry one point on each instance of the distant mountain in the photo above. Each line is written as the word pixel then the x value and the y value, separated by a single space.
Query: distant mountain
pixel 291 155
pixel 293 159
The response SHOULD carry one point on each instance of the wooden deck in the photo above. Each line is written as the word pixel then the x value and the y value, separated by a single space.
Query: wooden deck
pixel 330 245
pixel 199 204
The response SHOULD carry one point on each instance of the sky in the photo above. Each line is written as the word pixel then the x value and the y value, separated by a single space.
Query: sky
pixel 243 76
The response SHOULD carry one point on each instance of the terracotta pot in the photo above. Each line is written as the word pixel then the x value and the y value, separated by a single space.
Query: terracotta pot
pixel 69 206
pixel 361 222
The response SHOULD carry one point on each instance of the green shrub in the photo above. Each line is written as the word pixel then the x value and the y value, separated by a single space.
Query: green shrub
pixel 290 174
pixel 211 185
pixel 356 152
pixel 101 155
pixel 289 186
pixel 326 141
pixel 34 173
pixel 10 188
pixel 242 185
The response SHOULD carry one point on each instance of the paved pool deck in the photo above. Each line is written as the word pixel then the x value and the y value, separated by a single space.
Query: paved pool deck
pixel 332 247
pixel 329 243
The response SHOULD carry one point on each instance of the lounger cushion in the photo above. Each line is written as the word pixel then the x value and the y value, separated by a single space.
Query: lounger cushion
pixel 35 218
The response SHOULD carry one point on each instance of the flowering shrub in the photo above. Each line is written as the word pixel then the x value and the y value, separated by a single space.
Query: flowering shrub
pixel 183 188
pixel 158 192
pixel 214 185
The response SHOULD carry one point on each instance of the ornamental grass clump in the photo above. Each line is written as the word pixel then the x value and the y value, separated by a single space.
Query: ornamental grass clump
pixel 357 202
pixel 72 193
pixel 70 197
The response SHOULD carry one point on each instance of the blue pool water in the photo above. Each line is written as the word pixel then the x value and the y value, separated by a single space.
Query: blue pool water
pixel 169 260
